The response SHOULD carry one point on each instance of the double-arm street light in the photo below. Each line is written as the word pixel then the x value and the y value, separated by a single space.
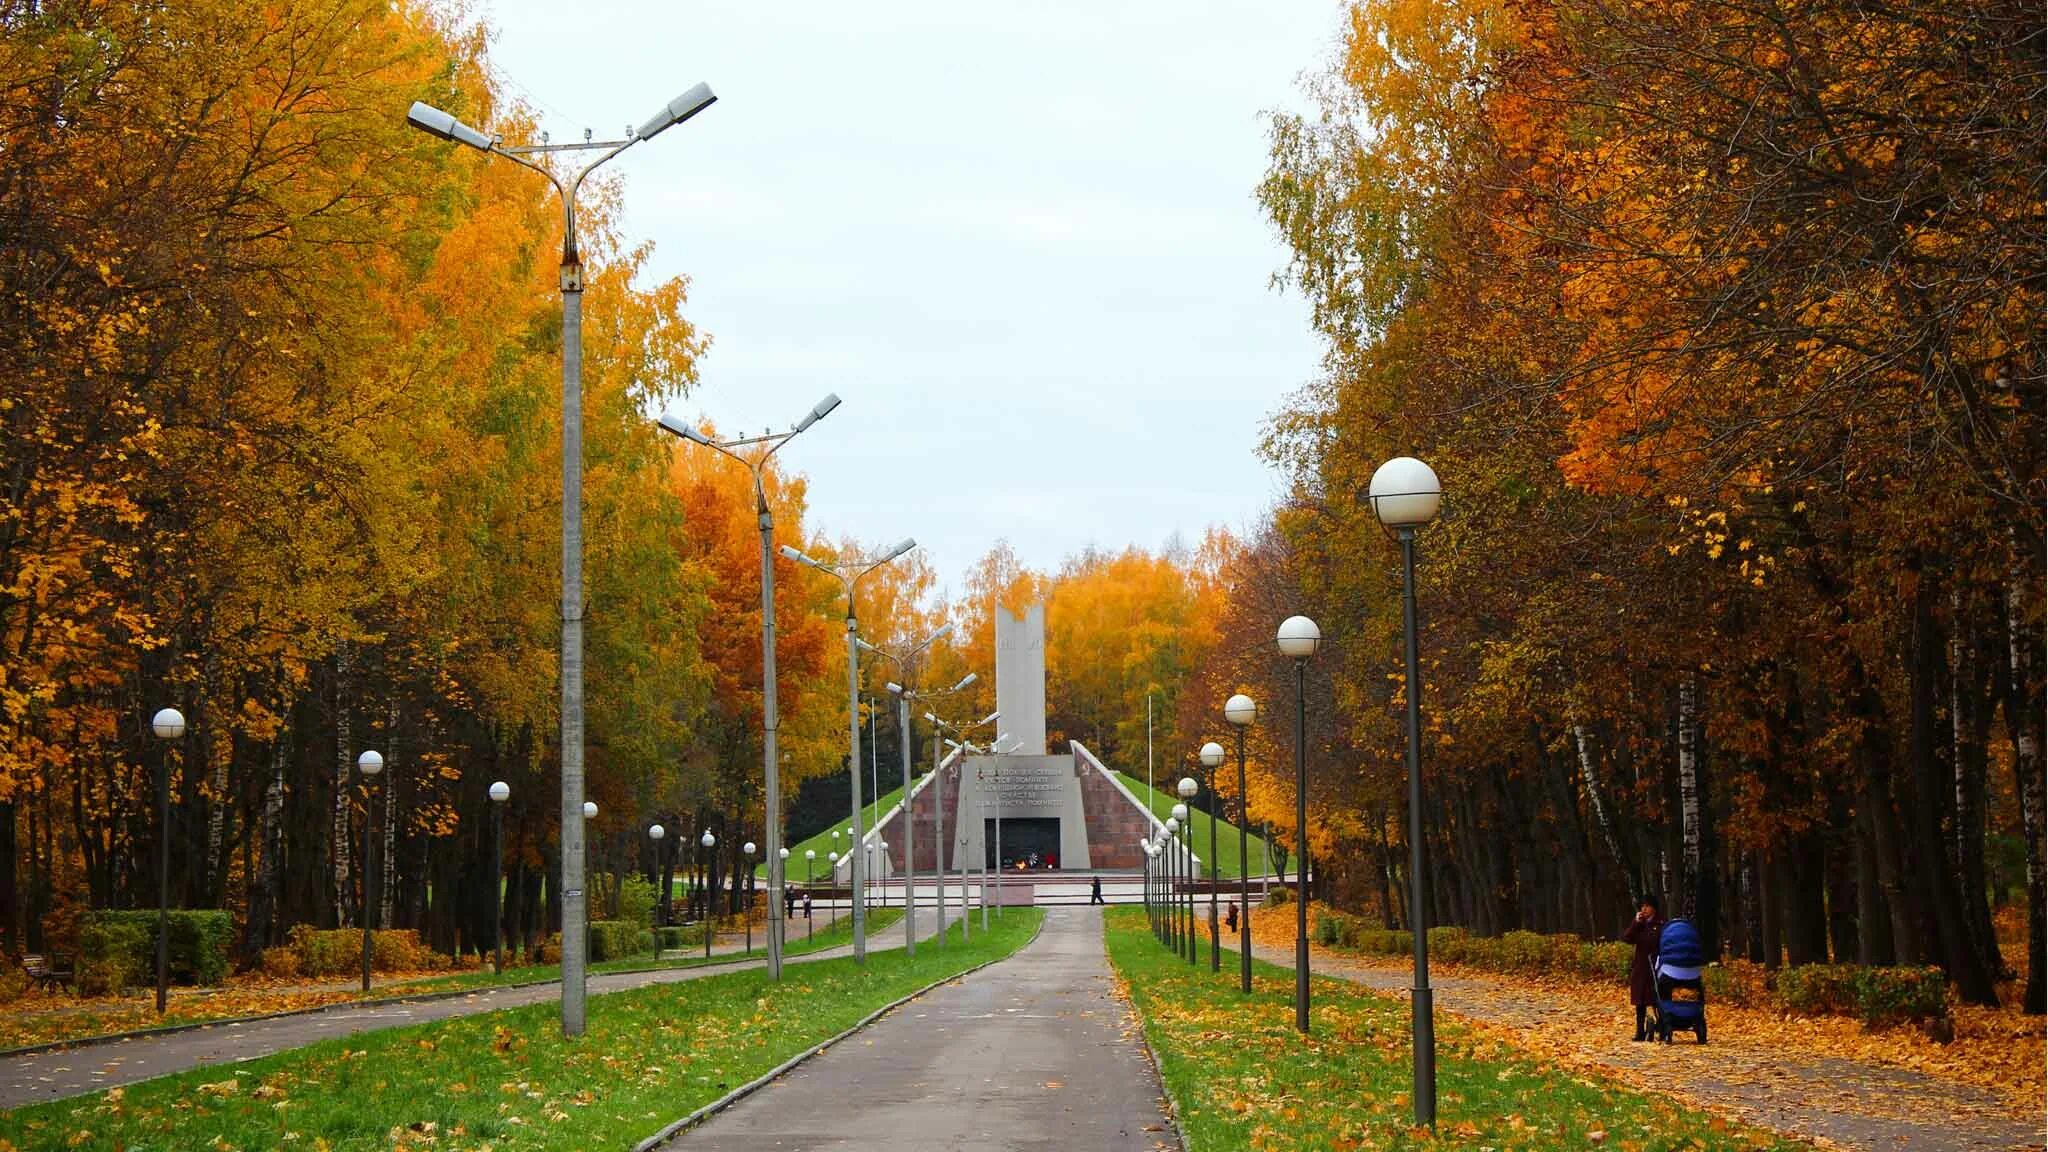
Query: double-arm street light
pixel 435 122
pixel 906 661
pixel 754 452
pixel 940 726
pixel 1240 710
pixel 1299 638
pixel 850 573
pixel 1405 495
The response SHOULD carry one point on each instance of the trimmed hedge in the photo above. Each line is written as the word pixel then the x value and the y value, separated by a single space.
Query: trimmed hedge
pixel 118 949
pixel 618 939
pixel 1876 996
pixel 308 951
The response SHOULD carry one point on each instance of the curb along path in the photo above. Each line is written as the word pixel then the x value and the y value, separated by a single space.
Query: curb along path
pixel 1848 1103
pixel 37 1077
pixel 1033 1052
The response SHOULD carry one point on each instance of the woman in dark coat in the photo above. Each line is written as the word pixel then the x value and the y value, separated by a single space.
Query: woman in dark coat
pixel 1642 983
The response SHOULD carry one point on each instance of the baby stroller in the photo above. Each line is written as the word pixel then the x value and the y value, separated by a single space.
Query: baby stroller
pixel 1681 993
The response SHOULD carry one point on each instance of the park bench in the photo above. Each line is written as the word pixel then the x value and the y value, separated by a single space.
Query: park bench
pixel 45 974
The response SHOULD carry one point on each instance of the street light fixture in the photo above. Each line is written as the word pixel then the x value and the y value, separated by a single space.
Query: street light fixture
pixel 903 697
pixel 939 728
pixel 747 913
pixel 810 859
pixel 657 833
pixel 500 792
pixel 1212 759
pixel 371 765
pixel 1240 710
pixel 1406 495
pixel 444 125
pixel 169 726
pixel 1172 849
pixel 850 573
pixel 1299 638
pixel 763 449
pixel 590 809
pixel 710 890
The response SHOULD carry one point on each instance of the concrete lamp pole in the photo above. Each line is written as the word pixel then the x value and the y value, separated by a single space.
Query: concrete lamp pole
pixel 169 726
pixel 1240 710
pixel 903 697
pixel 832 869
pixel 435 122
pixel 810 860
pixel 850 573
pixel 1299 638
pixel 758 451
pixel 371 765
pixel 500 792
pixel 1406 495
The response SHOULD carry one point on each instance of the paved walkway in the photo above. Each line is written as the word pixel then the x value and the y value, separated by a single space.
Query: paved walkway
pixel 1036 1052
pixel 1847 1102
pixel 44 1076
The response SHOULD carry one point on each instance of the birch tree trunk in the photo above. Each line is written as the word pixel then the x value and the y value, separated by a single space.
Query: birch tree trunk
pixel 2023 720
pixel 266 884
pixel 338 837
pixel 1599 806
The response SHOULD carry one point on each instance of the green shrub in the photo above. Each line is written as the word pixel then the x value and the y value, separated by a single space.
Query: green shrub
pixel 1816 989
pixel 1276 897
pixel 333 952
pixel 637 897
pixel 1891 995
pixel 199 942
pixel 618 939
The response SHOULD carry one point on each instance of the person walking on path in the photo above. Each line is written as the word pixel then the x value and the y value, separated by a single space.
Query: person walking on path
pixel 1095 890
pixel 1643 932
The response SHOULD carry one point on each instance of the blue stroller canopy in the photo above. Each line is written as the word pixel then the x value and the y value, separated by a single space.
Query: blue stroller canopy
pixel 1679 945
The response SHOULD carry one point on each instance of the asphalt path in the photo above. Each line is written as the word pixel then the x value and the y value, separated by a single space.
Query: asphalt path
pixel 1035 1052
pixel 43 1076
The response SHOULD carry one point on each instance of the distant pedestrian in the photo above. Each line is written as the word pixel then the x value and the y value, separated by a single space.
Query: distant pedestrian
pixel 1230 920
pixel 1642 984
pixel 788 903
pixel 1095 890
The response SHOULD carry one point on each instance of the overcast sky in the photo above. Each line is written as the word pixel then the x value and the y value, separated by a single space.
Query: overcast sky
pixel 1018 239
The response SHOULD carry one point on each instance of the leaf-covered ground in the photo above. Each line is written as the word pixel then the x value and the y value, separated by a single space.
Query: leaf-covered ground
pixel 1243 1078
pixel 48 1018
pixel 1813 1074
pixel 507 1081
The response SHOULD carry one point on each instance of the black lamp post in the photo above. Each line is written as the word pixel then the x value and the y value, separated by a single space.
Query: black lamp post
pixel 1405 495
pixel 500 792
pixel 169 726
pixel 710 889
pixel 371 765
pixel 1241 711
pixel 1299 638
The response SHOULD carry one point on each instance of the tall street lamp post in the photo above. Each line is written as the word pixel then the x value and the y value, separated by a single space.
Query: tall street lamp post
pixel 657 833
pixel 810 859
pixel 708 841
pixel 832 869
pixel 754 453
pixel 499 792
pixel 370 764
pixel 1184 901
pixel 1241 711
pixel 850 573
pixel 903 697
pixel 1172 878
pixel 1405 495
pixel 1212 759
pixel 435 122
pixel 1298 638
pixel 941 726
pixel 747 908
pixel 169 726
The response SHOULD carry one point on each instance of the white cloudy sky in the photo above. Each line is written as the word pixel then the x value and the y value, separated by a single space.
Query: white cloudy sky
pixel 1018 239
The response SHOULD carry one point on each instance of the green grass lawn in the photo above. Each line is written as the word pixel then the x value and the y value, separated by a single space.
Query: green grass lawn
pixel 823 843
pixel 1163 801
pixel 507 1079
pixel 1244 1078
